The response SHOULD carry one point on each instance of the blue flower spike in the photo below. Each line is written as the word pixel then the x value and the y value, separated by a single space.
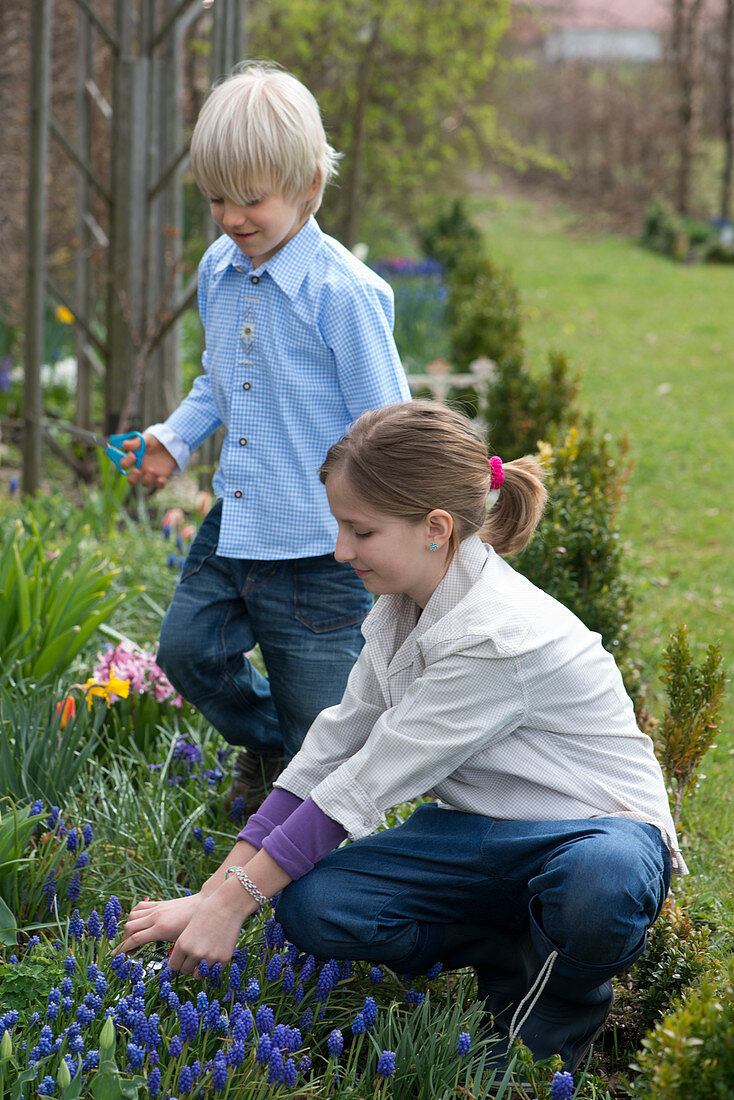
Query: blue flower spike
pixel 335 1043
pixel 464 1044
pixel 386 1064
pixel 562 1086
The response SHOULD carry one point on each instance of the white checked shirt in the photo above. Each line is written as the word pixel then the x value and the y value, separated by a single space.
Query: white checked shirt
pixel 497 700
pixel 296 350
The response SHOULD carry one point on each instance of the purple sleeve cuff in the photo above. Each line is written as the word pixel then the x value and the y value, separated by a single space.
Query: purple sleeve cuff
pixel 303 838
pixel 277 808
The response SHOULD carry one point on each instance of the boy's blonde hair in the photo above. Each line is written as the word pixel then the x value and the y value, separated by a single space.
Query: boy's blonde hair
pixel 405 460
pixel 260 133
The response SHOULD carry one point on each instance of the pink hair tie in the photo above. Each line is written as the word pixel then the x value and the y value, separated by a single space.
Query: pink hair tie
pixel 497 473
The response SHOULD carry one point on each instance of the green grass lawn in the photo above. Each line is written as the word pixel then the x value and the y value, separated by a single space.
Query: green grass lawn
pixel 654 341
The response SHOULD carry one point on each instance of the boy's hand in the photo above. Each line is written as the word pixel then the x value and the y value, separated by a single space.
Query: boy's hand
pixel 157 466
pixel 157 920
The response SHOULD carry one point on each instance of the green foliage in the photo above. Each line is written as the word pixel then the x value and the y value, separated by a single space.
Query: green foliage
pixel 25 984
pixel 38 866
pixel 691 1052
pixel 54 591
pixel 402 88
pixel 576 554
pixel 664 230
pixel 691 722
pixel 31 739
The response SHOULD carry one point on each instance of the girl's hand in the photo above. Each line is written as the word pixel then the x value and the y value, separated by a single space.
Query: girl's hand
pixel 157 920
pixel 214 929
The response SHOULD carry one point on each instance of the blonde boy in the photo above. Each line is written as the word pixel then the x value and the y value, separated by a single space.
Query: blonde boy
pixel 298 343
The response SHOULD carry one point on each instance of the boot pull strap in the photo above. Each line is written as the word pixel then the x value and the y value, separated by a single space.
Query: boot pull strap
pixel 533 995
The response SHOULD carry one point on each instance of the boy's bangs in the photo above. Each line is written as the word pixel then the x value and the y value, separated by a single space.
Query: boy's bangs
pixel 229 175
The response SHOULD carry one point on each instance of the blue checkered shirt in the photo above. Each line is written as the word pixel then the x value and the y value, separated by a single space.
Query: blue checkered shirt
pixel 295 351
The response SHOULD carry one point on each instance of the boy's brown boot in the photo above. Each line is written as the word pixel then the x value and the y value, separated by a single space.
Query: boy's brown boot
pixel 252 780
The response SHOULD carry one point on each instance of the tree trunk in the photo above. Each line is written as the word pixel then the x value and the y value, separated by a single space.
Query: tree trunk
pixel 686 48
pixel 353 179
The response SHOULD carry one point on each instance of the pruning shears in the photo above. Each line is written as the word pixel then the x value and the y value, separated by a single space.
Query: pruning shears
pixel 111 446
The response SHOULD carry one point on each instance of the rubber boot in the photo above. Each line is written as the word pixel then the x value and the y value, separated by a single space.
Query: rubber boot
pixel 567 1005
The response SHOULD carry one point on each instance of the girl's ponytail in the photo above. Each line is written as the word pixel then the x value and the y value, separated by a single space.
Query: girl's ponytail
pixel 512 519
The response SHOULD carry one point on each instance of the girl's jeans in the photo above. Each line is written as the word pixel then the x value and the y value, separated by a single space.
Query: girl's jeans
pixel 305 614
pixel 424 892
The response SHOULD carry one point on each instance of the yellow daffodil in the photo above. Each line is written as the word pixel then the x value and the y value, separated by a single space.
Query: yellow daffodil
pixel 105 689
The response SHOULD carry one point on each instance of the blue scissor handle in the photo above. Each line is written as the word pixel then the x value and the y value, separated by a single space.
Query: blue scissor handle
pixel 116 453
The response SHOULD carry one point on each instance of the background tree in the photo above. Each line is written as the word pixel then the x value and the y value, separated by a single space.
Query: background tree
pixel 686 52
pixel 403 89
pixel 727 108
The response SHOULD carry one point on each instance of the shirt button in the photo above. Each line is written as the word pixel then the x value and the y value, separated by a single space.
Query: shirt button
pixel 247 330
pixel 243 442
pixel 238 493
pixel 247 385
pixel 255 279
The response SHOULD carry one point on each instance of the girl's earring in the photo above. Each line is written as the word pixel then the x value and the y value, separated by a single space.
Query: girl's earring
pixel 433 546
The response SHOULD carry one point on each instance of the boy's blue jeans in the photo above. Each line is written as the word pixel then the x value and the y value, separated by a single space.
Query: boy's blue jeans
pixel 436 888
pixel 305 614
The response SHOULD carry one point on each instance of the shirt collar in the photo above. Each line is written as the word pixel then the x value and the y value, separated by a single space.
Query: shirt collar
pixel 289 265
pixel 460 577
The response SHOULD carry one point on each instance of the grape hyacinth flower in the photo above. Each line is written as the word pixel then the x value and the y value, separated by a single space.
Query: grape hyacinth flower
pixel 220 1072
pixel 335 1043
pixel 386 1064
pixel 369 1012
pixel 76 926
pixel 94 925
pixel 74 886
pixel 464 1044
pixel 358 1024
pixel 376 975
pixel 264 1049
pixel 185 1080
pixel 264 1019
pixel 275 1071
pixel 562 1086
pixel 274 968
pixel 434 971
pixel 252 993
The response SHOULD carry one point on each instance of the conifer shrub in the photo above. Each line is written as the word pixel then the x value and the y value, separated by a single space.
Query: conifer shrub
pixel 690 1053
pixel 691 721
pixel 576 554
pixel 520 406
pixel 663 230
pixel 675 958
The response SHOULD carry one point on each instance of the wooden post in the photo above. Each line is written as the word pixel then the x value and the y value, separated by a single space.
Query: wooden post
pixel 82 279
pixel 34 321
pixel 127 238
pixel 162 385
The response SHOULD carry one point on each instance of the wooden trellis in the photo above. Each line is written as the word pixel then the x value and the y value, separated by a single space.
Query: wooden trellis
pixel 125 307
